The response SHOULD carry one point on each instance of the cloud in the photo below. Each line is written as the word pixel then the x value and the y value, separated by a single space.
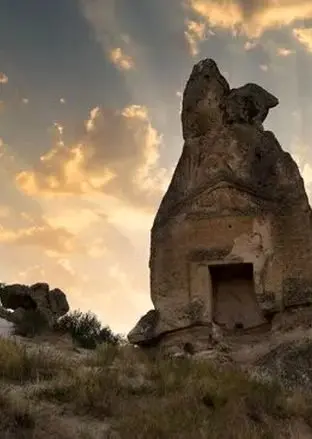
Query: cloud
pixel 264 67
pixel 282 51
pixel 194 34
pixel 304 36
pixel 121 60
pixel 56 272
pixel 108 32
pixel 251 17
pixel 58 239
pixel 117 154
pixel 74 220
pixel 3 78
pixel 250 45
pixel 225 15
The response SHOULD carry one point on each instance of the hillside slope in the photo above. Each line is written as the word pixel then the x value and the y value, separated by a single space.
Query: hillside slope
pixel 50 389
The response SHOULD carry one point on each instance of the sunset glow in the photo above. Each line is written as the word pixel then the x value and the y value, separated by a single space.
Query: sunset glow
pixel 90 128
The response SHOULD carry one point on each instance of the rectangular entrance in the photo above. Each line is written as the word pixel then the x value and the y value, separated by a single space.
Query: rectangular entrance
pixel 234 300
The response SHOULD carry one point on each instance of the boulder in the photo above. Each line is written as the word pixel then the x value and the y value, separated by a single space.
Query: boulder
pixel 248 104
pixel 290 364
pixel 147 328
pixel 231 242
pixel 22 298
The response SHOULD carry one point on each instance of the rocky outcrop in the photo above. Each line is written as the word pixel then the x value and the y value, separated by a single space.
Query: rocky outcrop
pixel 231 242
pixel 290 364
pixel 248 104
pixel 146 328
pixel 22 298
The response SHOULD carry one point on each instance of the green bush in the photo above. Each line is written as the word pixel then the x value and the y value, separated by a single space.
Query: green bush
pixel 85 330
pixel 106 335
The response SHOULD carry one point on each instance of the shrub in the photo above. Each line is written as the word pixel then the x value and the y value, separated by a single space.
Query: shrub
pixel 21 418
pixel 17 420
pixel 85 330
pixel 32 323
pixel 88 392
pixel 104 355
pixel 106 335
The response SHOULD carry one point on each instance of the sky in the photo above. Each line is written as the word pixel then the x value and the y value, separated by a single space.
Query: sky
pixel 90 133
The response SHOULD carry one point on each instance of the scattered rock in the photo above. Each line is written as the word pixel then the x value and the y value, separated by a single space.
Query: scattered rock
pixel 52 304
pixel 145 329
pixel 290 364
pixel 290 319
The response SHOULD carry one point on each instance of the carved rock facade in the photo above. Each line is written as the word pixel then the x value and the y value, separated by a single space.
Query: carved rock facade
pixel 232 240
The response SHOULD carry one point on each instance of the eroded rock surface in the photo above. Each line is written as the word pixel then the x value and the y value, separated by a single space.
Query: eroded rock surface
pixel 231 242
pixel 290 364
pixel 22 298
pixel 248 104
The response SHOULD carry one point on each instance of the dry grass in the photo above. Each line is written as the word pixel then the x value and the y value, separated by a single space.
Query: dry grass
pixel 20 364
pixel 22 419
pixel 138 398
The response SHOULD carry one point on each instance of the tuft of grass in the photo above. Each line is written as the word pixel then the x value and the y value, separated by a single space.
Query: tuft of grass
pixel 22 419
pixel 88 392
pixel 104 355
pixel 17 419
pixel 20 364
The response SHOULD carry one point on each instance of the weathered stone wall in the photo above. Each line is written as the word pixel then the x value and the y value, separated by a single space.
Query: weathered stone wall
pixel 293 244
pixel 179 267
pixel 280 254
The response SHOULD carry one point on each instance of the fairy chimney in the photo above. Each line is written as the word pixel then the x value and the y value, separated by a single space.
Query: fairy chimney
pixel 232 238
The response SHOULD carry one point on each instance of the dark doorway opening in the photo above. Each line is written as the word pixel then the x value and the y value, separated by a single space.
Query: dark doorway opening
pixel 234 299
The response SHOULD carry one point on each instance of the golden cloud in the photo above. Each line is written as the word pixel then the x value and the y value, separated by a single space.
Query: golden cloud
pixel 74 220
pixel 251 18
pixel 3 78
pixel 121 60
pixel 108 32
pixel 282 51
pixel 249 45
pixel 56 272
pixel 194 34
pixel 31 229
pixel 304 36
pixel 59 240
pixel 118 154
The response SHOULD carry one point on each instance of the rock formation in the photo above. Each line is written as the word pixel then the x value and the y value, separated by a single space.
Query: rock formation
pixel 21 298
pixel 231 242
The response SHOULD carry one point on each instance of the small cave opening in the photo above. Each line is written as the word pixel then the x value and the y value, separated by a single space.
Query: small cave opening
pixel 235 304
